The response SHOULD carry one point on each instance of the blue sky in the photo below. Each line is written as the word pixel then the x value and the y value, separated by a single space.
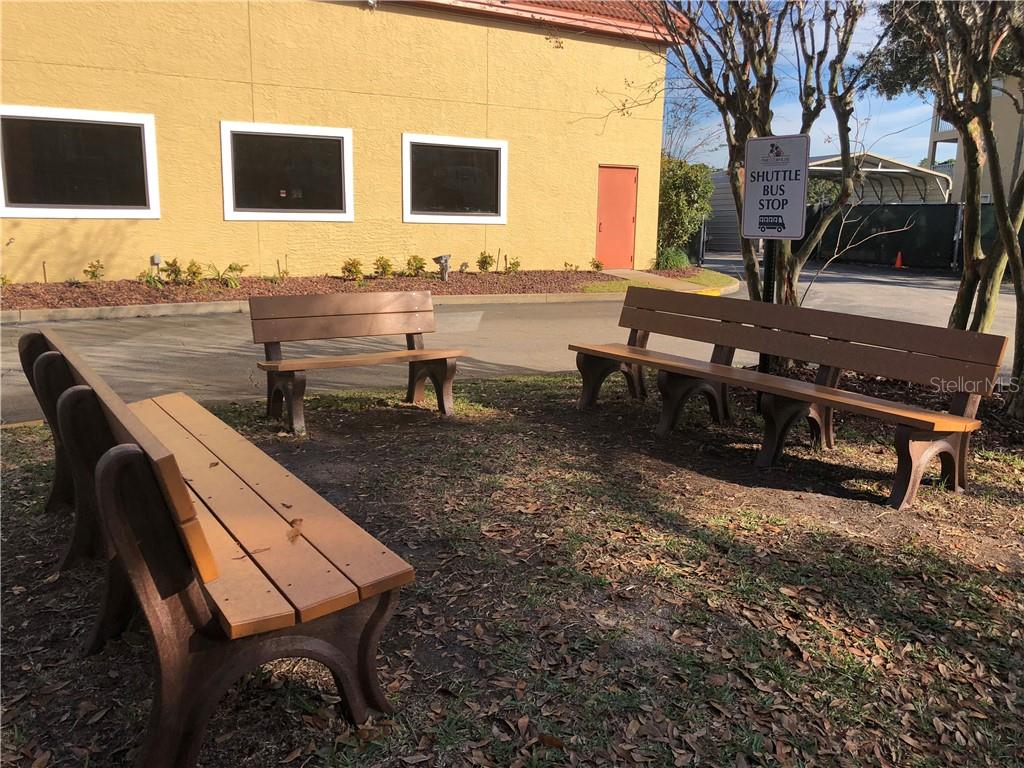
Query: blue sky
pixel 897 128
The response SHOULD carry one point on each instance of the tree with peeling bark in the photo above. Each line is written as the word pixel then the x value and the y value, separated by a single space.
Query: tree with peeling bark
pixel 954 51
pixel 735 54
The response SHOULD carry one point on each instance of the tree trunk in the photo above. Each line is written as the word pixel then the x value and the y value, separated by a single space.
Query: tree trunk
pixel 994 267
pixel 992 271
pixel 973 255
pixel 1015 399
pixel 751 271
pixel 789 269
pixel 1011 245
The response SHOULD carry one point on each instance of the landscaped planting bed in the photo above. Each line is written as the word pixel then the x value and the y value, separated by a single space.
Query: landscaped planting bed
pixel 122 292
pixel 586 594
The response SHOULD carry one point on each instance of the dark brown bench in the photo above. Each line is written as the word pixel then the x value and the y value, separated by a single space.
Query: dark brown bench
pixel 277 319
pixel 233 561
pixel 962 363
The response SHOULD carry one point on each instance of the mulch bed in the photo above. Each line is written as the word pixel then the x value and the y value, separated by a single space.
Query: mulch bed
pixel 586 594
pixel 123 292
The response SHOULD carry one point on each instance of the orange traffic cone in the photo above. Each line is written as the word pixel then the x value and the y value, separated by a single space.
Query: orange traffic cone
pixel 899 261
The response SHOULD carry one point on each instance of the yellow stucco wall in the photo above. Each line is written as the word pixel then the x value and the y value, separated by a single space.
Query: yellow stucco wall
pixel 379 72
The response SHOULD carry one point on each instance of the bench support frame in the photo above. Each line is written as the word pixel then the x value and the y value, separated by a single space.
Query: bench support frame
pixel 914 450
pixel 88 438
pixel 285 389
pixel 196 663
pixel 677 388
pixel 820 417
pixel 61 498
pixel 594 370
pixel 780 415
pixel 441 373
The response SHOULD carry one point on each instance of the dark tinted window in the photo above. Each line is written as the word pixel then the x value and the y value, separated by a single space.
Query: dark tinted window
pixel 457 180
pixel 68 163
pixel 287 173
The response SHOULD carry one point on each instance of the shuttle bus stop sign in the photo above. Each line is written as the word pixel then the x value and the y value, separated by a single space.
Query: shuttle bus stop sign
pixel 775 187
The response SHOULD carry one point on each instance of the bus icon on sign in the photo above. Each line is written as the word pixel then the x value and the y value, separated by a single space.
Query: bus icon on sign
pixel 767 221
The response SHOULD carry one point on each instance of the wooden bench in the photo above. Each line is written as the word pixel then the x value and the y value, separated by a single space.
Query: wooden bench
pixel 233 561
pixel 277 319
pixel 962 363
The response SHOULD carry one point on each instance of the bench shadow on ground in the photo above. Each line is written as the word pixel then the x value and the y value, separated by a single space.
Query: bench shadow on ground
pixel 946 613
pixel 907 594
pixel 607 435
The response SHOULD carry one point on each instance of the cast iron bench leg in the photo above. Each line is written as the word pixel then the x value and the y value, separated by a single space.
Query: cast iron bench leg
pixel 914 449
pixel 676 389
pixel 287 389
pixel 441 374
pixel 780 414
pixel 593 370
pixel 821 424
pixel 117 609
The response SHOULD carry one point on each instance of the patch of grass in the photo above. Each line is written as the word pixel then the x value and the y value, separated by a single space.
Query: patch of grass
pixel 709 278
pixel 617 286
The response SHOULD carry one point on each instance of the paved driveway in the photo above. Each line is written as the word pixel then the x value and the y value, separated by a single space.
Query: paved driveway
pixel 213 358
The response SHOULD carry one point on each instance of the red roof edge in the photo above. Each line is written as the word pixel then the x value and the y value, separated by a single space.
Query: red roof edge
pixel 551 15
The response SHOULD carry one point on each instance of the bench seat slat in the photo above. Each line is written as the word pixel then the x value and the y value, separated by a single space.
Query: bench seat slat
pixel 310 582
pixel 247 602
pixel 370 565
pixel 357 360
pixel 853 402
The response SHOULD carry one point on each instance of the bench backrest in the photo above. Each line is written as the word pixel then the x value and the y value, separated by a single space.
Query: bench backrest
pixel 340 315
pixel 961 361
pixel 125 427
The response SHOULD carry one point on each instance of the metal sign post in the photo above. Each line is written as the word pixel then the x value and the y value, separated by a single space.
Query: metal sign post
pixel 774 201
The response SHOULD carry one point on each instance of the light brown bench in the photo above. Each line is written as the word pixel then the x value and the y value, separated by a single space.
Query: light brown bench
pixel 233 561
pixel 277 319
pixel 962 363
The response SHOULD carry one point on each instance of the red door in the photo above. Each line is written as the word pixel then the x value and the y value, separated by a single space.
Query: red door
pixel 616 215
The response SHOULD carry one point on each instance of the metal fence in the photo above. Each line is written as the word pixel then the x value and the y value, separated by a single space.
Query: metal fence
pixel 926 235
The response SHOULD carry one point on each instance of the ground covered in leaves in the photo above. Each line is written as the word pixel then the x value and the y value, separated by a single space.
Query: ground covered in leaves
pixel 586 594
pixel 106 293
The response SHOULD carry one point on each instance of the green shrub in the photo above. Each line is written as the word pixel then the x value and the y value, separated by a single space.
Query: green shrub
pixel 415 266
pixel 228 277
pixel 175 274
pixel 684 201
pixel 352 269
pixel 596 265
pixel 484 261
pixel 94 270
pixel 382 267
pixel 151 280
pixel 570 267
pixel 4 281
pixel 512 265
pixel 193 272
pixel 672 257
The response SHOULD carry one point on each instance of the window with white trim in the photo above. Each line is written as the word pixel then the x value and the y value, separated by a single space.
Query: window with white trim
pixel 77 164
pixel 286 172
pixel 453 180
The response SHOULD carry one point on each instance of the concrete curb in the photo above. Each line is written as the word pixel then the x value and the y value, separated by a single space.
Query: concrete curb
pixel 186 309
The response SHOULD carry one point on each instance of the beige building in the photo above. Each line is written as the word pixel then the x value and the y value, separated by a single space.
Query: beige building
pixel 944 145
pixel 266 132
